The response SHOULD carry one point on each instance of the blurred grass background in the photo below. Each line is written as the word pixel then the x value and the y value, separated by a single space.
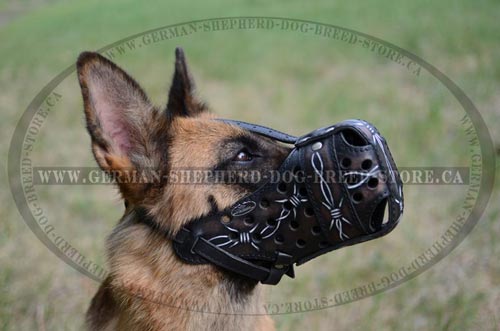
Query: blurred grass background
pixel 285 80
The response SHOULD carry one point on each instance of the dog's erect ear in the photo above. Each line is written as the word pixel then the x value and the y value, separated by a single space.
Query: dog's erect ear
pixel 120 118
pixel 181 99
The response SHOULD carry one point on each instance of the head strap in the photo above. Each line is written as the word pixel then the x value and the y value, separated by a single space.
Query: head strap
pixel 263 131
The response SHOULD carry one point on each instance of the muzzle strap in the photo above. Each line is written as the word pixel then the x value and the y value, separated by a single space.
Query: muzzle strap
pixel 231 262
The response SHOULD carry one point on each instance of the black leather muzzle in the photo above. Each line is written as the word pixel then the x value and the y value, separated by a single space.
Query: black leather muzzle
pixel 334 189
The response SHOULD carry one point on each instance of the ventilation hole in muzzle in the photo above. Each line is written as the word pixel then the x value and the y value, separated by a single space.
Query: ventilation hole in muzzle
pixel 233 235
pixel 353 138
pixel 366 164
pixel 309 212
pixel 316 230
pixel 272 222
pixel 346 162
pixel 278 239
pixel 377 218
pixel 294 225
pixel 357 197
pixel 301 243
pixel 249 220
pixel 372 182
pixel 256 237
pixel 282 187
pixel 264 203
pixel 303 191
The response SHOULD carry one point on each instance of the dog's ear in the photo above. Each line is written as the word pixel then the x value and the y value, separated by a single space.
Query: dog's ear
pixel 120 118
pixel 182 100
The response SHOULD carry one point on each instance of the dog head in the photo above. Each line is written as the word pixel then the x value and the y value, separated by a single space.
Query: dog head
pixel 131 136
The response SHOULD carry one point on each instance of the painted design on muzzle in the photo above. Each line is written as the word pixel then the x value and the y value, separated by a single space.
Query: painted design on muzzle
pixel 344 179
pixel 337 217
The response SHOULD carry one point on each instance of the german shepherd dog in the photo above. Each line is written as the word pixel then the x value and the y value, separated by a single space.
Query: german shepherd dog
pixel 129 133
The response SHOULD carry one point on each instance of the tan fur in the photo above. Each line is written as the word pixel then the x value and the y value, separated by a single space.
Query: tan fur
pixel 147 267
pixel 188 133
pixel 148 286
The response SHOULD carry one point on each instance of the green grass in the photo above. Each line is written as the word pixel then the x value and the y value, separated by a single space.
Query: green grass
pixel 285 80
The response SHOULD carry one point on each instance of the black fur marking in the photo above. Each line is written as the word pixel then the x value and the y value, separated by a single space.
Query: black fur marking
pixel 103 305
pixel 213 205
pixel 239 287
pixel 241 175
pixel 181 97
pixel 232 146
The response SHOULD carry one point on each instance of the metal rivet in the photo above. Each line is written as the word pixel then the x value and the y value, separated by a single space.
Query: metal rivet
pixel 316 146
pixel 279 266
pixel 225 219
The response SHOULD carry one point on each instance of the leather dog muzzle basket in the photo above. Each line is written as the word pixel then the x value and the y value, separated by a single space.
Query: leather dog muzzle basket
pixel 341 179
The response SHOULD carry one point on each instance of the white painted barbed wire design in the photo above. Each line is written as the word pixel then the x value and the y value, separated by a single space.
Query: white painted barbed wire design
pixel 243 237
pixel 295 200
pixel 365 176
pixel 337 217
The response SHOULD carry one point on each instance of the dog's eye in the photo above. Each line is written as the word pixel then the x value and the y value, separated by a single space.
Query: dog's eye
pixel 243 156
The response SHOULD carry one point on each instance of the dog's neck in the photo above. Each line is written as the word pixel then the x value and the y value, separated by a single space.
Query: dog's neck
pixel 154 286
